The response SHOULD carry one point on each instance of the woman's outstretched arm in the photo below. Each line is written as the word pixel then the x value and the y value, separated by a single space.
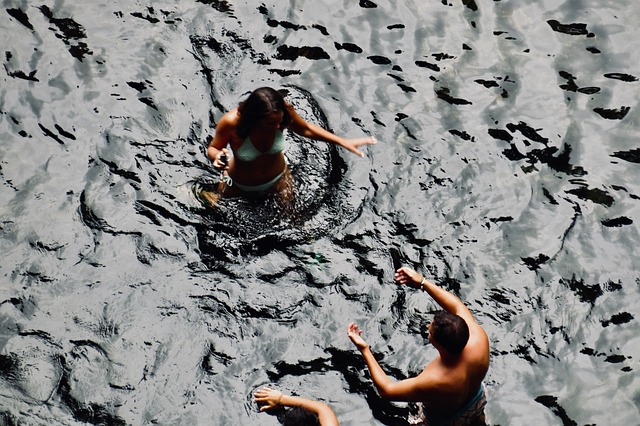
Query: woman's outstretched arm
pixel 312 131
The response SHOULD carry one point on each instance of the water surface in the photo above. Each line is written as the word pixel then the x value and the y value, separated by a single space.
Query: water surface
pixel 506 169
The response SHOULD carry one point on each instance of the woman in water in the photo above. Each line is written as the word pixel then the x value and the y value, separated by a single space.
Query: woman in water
pixel 254 132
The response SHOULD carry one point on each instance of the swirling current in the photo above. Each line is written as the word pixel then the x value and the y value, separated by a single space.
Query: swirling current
pixel 506 170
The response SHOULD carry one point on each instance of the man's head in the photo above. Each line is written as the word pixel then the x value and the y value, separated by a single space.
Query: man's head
pixel 298 416
pixel 449 331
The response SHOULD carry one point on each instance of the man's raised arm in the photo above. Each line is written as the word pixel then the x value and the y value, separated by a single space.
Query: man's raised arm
pixel 448 301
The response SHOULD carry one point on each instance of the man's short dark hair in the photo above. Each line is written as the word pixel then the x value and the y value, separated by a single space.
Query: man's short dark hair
pixel 450 331
pixel 298 416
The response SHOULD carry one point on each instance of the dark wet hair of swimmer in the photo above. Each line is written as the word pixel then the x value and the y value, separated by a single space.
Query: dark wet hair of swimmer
pixel 298 416
pixel 450 331
pixel 260 103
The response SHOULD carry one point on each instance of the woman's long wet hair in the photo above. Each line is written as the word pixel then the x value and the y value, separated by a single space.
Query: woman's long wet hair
pixel 260 103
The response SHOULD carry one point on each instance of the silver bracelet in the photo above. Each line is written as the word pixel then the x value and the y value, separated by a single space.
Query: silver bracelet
pixel 424 280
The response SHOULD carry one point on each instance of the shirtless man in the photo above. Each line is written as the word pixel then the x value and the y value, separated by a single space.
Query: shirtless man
pixel 450 386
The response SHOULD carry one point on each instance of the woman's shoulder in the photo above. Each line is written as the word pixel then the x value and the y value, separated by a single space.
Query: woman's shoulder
pixel 294 117
pixel 289 107
pixel 227 125
pixel 231 118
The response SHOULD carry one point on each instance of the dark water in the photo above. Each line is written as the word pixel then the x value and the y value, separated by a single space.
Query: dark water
pixel 506 169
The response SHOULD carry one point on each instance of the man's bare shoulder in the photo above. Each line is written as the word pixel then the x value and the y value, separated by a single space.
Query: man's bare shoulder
pixel 437 377
pixel 478 346
pixel 444 387
pixel 438 388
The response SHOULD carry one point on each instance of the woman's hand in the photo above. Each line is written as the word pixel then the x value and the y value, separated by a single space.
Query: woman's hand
pixel 221 159
pixel 270 398
pixel 355 336
pixel 353 144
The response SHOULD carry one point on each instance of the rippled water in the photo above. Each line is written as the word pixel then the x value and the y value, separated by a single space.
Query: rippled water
pixel 506 169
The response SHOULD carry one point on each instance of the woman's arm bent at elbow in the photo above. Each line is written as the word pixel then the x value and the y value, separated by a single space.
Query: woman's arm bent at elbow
pixel 218 143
